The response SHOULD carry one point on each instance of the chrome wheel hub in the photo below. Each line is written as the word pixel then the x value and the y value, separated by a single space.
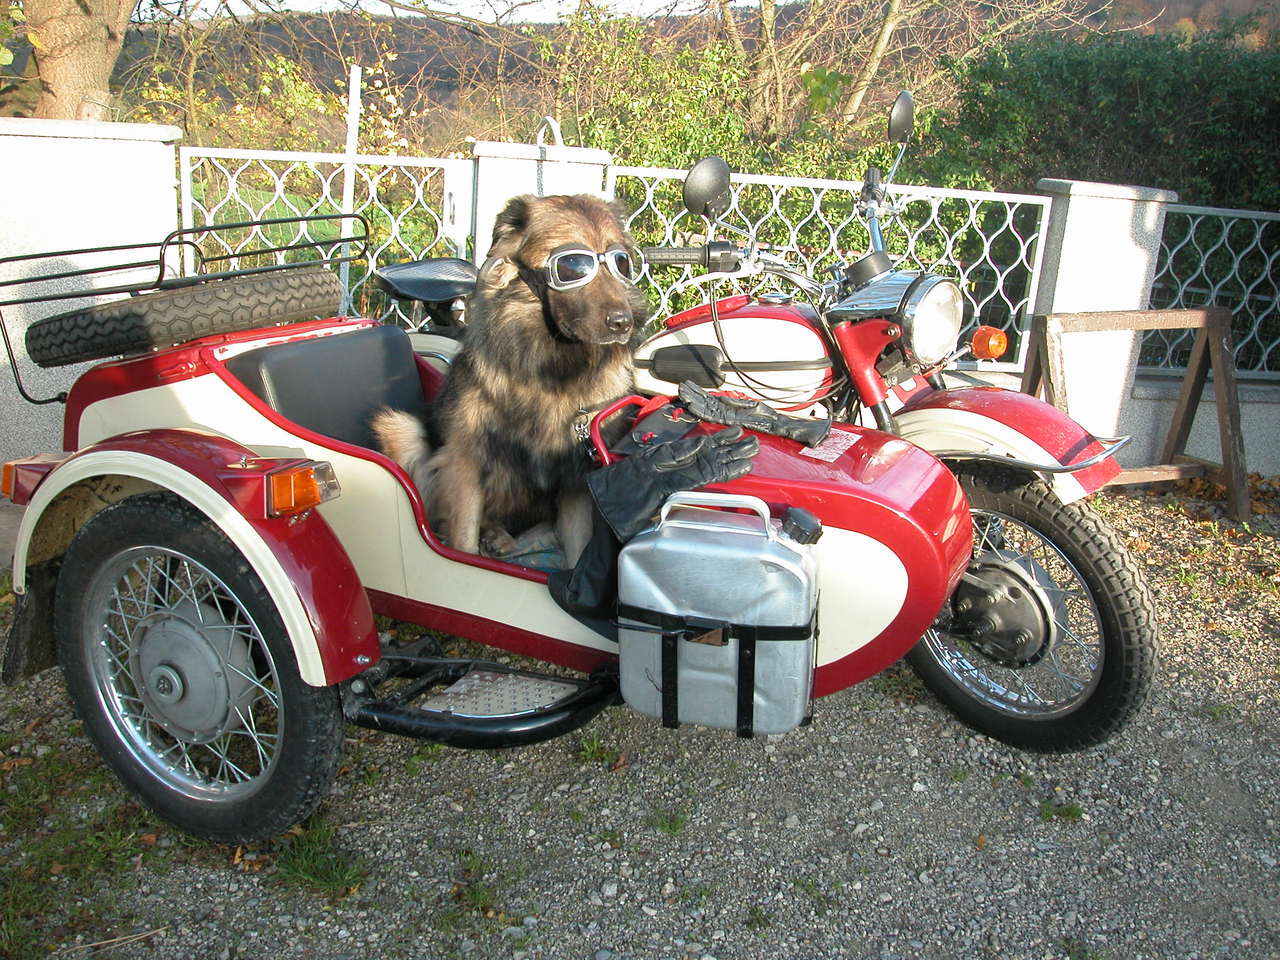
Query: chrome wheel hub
pixel 195 670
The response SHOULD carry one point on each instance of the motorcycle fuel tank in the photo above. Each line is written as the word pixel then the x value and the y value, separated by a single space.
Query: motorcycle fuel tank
pixel 772 350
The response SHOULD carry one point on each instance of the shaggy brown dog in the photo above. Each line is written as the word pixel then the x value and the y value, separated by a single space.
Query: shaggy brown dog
pixel 534 359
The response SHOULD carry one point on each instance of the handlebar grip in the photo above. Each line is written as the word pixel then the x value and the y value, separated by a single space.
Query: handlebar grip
pixel 696 256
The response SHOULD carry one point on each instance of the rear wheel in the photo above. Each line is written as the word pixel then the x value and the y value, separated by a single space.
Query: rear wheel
pixel 1049 643
pixel 183 674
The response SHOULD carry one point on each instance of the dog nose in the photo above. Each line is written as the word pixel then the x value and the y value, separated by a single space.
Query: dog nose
pixel 618 321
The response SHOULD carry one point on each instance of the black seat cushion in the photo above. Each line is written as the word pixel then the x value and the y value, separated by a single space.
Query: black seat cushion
pixel 437 280
pixel 334 385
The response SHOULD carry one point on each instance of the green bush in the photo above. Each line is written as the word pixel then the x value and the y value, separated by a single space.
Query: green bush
pixel 1197 115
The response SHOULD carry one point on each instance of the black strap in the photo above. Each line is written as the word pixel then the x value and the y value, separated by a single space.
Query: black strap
pixel 746 679
pixel 670 682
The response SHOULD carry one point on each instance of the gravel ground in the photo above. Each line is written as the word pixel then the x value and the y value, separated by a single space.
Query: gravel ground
pixel 885 829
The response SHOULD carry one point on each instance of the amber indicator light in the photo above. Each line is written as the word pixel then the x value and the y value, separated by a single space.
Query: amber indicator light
pixel 7 480
pixel 989 343
pixel 300 488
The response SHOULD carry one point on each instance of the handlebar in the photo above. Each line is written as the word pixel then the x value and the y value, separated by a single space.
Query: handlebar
pixel 695 256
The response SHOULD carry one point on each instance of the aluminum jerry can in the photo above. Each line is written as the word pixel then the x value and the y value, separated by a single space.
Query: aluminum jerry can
pixel 717 616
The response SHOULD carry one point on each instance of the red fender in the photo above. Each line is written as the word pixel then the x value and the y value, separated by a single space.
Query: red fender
pixel 303 548
pixel 1006 423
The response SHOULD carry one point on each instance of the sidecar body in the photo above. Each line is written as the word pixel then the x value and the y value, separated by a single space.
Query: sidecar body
pixel 212 420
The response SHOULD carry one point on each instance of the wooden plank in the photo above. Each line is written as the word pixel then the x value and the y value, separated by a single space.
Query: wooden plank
pixel 1184 411
pixel 1230 435
pixel 1164 471
pixel 1138 319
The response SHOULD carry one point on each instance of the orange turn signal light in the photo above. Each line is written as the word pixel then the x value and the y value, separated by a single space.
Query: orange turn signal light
pixel 7 478
pixel 297 489
pixel 989 343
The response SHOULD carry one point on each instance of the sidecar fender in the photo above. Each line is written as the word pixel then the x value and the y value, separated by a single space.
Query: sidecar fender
pixel 1005 423
pixel 299 559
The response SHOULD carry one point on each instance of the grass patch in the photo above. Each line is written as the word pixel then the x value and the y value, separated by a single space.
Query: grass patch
pixel 426 753
pixel 310 860
pixel 1061 811
pixel 811 889
pixel 592 749
pixel 899 683
pixel 670 821
pixel 958 775
pixel 758 918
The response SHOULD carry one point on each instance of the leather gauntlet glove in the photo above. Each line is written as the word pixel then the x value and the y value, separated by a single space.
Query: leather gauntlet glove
pixel 629 493
pixel 752 414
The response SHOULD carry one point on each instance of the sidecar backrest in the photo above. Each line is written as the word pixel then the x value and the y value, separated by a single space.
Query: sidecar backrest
pixel 334 385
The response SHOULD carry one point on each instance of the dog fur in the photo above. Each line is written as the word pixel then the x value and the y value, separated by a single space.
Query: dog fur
pixel 532 360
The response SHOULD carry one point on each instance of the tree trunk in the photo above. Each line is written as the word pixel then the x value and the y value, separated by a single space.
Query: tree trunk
pixel 892 17
pixel 76 45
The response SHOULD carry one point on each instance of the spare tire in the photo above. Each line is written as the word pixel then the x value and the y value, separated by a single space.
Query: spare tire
pixel 168 317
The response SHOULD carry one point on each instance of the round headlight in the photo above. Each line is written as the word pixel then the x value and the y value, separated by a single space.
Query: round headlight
pixel 931 320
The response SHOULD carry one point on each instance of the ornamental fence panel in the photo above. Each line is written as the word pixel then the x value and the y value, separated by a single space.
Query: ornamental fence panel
pixel 988 242
pixel 1210 256
pixel 415 207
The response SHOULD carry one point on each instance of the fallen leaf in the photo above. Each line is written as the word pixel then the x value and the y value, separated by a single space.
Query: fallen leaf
pixel 7 598
pixel 14 762
pixel 56 868
pixel 982 841
pixel 620 764
pixel 238 855
pixel 149 839
pixel 1140 546
pixel 31 727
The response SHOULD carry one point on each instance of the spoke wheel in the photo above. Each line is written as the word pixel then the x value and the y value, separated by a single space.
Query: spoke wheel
pixel 1049 642
pixel 184 675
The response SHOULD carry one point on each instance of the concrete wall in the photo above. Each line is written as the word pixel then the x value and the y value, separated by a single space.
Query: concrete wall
pixel 68 184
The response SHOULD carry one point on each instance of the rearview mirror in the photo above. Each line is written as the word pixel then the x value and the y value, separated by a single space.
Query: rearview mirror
pixel 706 188
pixel 902 118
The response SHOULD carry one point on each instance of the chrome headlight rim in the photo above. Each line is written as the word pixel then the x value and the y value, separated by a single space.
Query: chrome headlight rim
pixel 913 337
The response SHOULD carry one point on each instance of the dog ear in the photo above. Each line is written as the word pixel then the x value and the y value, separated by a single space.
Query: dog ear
pixel 510 225
pixel 497 272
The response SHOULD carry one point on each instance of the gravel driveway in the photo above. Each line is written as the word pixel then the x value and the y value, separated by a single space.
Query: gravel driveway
pixel 885 829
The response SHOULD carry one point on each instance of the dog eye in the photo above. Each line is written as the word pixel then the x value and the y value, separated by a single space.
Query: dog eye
pixel 574 267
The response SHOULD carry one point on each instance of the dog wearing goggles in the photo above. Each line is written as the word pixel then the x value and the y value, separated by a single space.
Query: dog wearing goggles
pixel 549 338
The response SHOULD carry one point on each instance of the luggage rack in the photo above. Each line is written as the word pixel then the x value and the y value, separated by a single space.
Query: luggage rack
pixel 159 266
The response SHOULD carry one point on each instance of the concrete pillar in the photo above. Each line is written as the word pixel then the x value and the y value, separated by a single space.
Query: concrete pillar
pixel 506 170
pixel 71 184
pixel 1101 245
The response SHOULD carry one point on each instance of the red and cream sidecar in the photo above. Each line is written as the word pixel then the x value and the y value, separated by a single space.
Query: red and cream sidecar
pixel 207 553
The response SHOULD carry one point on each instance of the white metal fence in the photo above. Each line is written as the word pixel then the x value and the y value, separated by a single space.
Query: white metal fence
pixel 415 207
pixel 991 243
pixel 988 242
pixel 1219 257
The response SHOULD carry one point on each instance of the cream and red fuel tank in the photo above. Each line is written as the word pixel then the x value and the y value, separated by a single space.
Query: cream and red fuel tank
pixel 774 345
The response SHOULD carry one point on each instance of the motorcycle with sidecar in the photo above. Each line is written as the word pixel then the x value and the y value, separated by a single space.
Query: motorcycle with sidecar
pixel 205 556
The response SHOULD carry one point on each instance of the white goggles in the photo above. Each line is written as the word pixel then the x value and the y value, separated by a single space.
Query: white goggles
pixel 570 267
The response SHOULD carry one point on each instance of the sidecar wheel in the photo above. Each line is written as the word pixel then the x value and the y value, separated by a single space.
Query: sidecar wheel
pixel 167 317
pixel 182 672
pixel 1062 654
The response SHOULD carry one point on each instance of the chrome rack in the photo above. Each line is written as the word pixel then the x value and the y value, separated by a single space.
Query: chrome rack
pixel 181 259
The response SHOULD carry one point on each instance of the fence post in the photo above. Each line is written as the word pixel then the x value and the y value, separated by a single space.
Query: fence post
pixel 1100 250
pixel 505 170
pixel 349 178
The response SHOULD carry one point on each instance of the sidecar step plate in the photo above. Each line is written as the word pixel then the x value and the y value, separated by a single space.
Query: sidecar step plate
pixel 487 693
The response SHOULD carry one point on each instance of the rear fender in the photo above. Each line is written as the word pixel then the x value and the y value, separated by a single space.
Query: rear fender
pixel 299 559
pixel 1005 423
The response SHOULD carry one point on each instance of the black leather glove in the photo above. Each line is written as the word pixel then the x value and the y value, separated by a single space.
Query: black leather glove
pixel 752 414
pixel 630 492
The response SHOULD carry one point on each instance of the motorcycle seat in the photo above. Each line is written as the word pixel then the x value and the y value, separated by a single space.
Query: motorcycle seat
pixel 435 280
pixel 334 385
